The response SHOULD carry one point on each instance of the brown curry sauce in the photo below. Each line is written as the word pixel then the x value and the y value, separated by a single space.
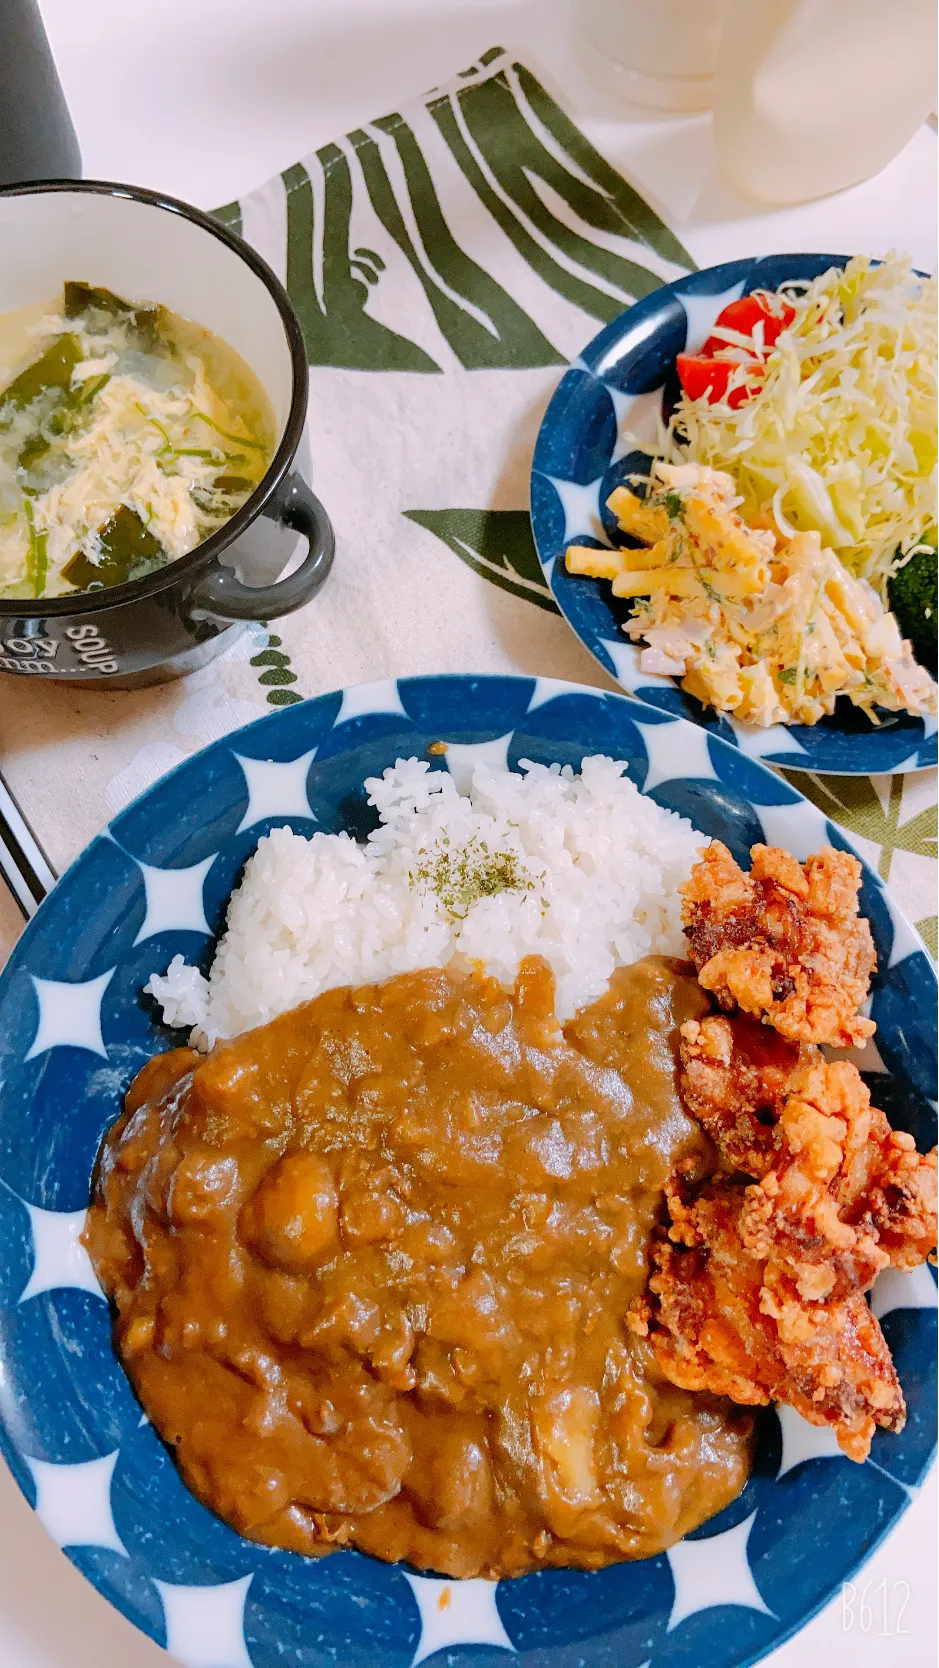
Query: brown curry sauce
pixel 371 1265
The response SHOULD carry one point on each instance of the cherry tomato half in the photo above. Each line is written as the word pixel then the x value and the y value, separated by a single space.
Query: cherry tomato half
pixel 702 376
pixel 772 311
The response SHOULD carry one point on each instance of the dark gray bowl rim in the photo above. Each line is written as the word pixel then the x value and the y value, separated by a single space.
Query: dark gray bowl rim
pixel 86 602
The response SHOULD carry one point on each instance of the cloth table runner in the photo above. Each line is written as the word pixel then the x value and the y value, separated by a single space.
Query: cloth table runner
pixel 445 262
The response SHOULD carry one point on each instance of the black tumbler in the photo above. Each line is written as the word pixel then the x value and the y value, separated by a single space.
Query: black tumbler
pixel 37 139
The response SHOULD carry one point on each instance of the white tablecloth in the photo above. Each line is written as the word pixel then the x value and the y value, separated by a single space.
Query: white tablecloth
pixel 207 101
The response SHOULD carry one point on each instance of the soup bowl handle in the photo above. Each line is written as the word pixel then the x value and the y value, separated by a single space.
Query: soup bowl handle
pixel 219 592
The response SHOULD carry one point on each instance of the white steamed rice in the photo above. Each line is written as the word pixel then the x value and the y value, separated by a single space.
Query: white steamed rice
pixel 600 866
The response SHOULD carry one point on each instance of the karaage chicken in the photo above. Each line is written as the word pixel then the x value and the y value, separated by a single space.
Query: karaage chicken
pixel 785 942
pixel 759 1275
pixel 736 1074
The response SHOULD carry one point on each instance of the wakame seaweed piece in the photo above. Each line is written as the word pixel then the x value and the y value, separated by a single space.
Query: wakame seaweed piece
pixel 63 420
pixel 216 497
pixel 78 298
pixel 32 450
pixel 145 320
pixel 53 369
pixel 125 543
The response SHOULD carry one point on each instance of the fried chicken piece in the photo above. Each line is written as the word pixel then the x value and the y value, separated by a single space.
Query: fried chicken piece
pixel 736 1076
pixel 785 942
pixel 757 1289
pixel 902 1200
pixel 723 1319
pixel 846 1195
pixel 753 1093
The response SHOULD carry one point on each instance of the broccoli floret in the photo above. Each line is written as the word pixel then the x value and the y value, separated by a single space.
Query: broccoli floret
pixel 912 594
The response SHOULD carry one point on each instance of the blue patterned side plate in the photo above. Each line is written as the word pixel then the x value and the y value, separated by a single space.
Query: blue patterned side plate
pixel 75 1029
pixel 624 378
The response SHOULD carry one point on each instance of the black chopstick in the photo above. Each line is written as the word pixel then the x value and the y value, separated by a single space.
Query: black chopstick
pixel 23 863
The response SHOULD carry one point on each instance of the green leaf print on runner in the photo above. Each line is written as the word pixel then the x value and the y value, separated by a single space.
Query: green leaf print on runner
pixel 229 215
pixel 336 328
pixel 628 212
pixel 276 674
pixel 480 218
pixel 492 128
pixel 496 544
pixel 854 802
pixel 481 322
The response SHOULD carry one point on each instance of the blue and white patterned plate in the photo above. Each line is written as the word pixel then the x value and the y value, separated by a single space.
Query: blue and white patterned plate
pixel 75 1029
pixel 622 379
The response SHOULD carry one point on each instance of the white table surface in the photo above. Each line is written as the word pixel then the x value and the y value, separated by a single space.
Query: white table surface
pixel 206 98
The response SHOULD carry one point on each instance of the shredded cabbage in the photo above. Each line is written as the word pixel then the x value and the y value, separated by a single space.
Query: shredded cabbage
pixel 840 436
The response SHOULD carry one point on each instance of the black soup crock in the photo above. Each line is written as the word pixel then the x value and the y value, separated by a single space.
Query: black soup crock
pixel 153 248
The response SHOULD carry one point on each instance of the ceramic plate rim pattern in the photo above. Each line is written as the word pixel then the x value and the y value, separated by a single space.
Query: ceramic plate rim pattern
pixel 155 882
